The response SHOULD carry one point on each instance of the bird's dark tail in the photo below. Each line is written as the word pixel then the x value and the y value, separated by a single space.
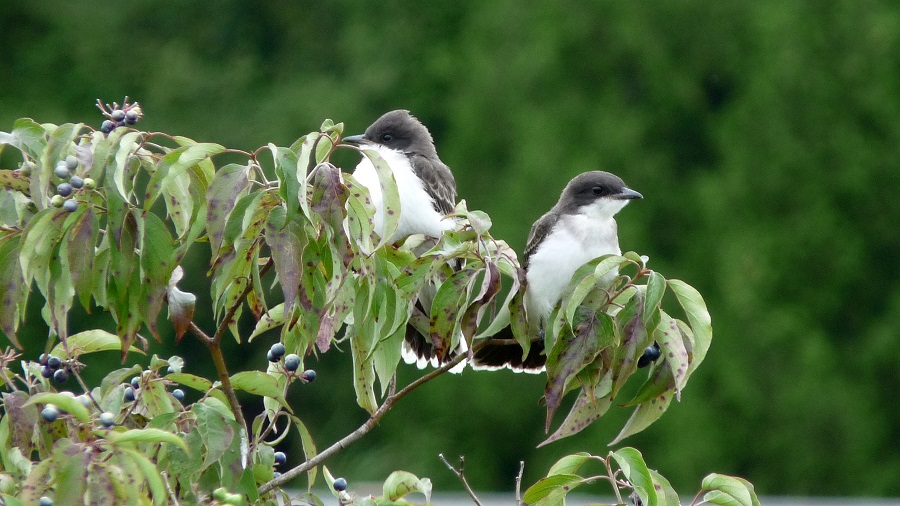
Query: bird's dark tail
pixel 502 351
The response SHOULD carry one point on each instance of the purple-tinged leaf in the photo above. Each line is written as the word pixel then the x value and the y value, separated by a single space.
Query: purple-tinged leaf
pixel 447 309
pixel 674 353
pixel 157 265
pixel 229 183
pixel 644 415
pixel 490 286
pixel 13 291
pixel 81 240
pixel 286 243
pixel 587 408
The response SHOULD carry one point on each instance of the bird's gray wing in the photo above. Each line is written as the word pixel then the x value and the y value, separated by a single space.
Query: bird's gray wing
pixel 539 232
pixel 438 181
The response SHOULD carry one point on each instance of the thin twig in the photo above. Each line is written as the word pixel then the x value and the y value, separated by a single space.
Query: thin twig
pixel 461 475
pixel 367 426
pixel 172 495
pixel 612 479
pixel 519 483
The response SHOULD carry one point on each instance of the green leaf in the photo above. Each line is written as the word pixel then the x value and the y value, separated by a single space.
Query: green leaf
pixel 587 408
pixel 90 341
pixel 229 183
pixel 13 291
pixel 446 309
pixel 157 264
pixel 635 469
pixel 729 491
pixel 181 304
pixel 570 463
pixel 671 345
pixel 80 242
pixel 257 383
pixel 698 317
pixel 286 242
pixel 552 490
pixel 360 216
pixel 63 402
pixel 143 436
pixel 26 136
pixel 400 483
pixel 309 450
pixel 390 197
pixel 272 319
pixel 70 464
pixel 600 275
pixel 38 241
pixel 668 497
pixel 644 415
pixel 656 288
pixel 151 474
pixel 173 167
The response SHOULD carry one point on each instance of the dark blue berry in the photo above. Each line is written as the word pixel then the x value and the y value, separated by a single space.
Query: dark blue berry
pixel 46 372
pixel 43 359
pixel 70 205
pixel 277 350
pixel 76 182
pixel 46 501
pixel 276 474
pixel 118 115
pixel 50 413
pixel 62 171
pixel 340 484
pixel 71 162
pixel 308 376
pixel 107 126
pixel 54 362
pixel 280 458
pixel 60 376
pixel 178 394
pixel 129 394
pixel 131 117
pixel 64 189
pixel 107 419
pixel 650 354
pixel 272 358
pixel 136 382
pixel 292 362
pixel 170 370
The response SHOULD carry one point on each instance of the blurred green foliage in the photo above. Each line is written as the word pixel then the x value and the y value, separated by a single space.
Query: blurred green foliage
pixel 764 137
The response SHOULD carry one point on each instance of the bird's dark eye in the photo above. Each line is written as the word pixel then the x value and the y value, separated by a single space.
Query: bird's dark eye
pixel 387 138
pixel 597 190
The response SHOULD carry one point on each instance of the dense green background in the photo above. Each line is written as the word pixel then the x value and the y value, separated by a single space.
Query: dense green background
pixel 763 135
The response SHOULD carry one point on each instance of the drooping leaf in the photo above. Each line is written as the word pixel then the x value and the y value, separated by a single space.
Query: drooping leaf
pixel 157 267
pixel 229 183
pixel 81 240
pixel 446 309
pixel 286 242
pixel 63 402
pixel 390 197
pixel 258 383
pixel 274 318
pixel 698 317
pixel 181 304
pixel 400 483
pixel 729 491
pixel 586 409
pixel 552 490
pixel 635 470
pixel 644 415
pixel 143 436
pixel 570 464
pixel 12 288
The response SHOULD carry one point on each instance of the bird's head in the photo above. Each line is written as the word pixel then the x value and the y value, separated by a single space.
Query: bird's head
pixel 596 193
pixel 398 130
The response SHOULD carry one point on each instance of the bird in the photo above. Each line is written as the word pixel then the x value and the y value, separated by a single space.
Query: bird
pixel 579 228
pixel 425 184
pixel 427 191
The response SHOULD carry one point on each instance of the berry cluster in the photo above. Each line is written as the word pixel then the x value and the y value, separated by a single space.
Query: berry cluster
pixel 291 362
pixel 70 183
pixel 116 115
pixel 53 367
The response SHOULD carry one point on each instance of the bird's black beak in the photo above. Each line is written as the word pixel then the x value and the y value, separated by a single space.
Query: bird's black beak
pixel 356 140
pixel 628 194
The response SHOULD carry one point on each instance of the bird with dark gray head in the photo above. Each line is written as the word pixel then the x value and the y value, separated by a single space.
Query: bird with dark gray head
pixel 579 228
pixel 425 184
pixel 427 194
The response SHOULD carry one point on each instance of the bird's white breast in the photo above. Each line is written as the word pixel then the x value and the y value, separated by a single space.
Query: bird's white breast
pixel 417 212
pixel 575 240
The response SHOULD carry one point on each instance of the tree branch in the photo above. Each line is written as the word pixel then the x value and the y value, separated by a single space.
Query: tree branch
pixel 369 424
pixel 461 475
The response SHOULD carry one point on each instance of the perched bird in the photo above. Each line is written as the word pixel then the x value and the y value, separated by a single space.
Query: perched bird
pixel 425 184
pixel 579 228
pixel 427 192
